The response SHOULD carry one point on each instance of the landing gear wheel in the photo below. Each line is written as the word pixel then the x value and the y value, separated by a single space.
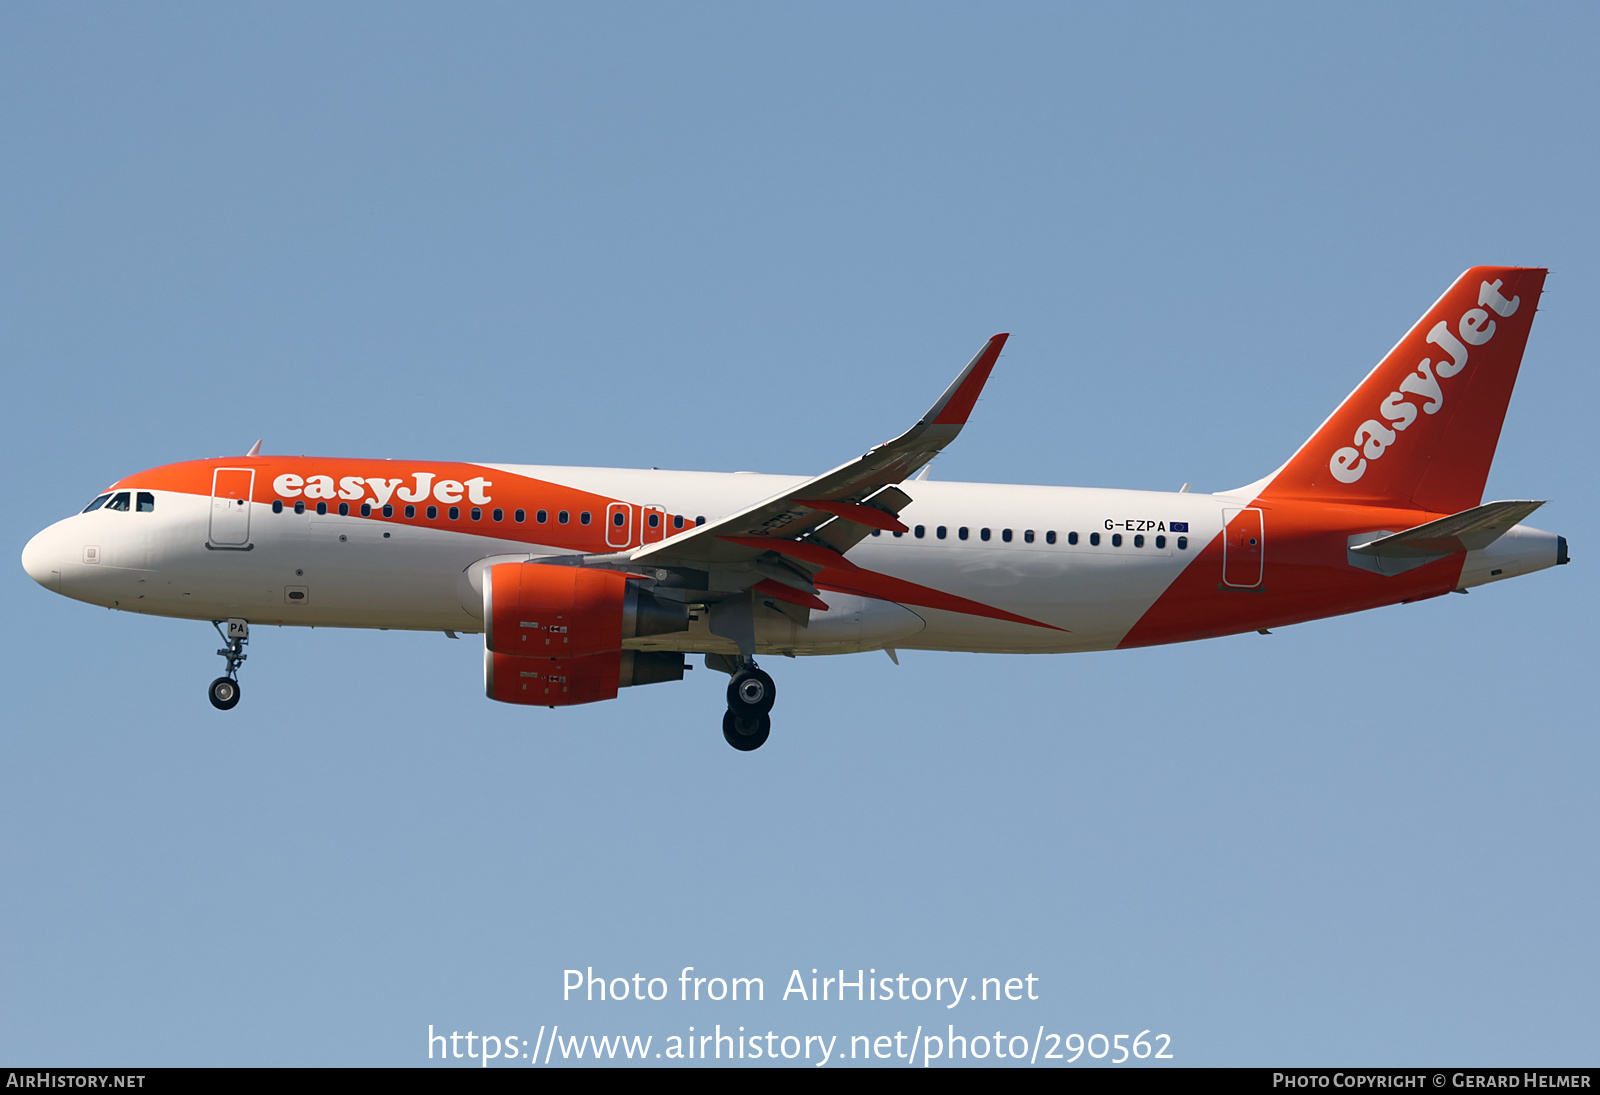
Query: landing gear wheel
pixel 746 734
pixel 224 693
pixel 751 693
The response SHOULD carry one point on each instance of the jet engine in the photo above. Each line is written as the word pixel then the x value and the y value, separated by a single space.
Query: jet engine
pixel 552 635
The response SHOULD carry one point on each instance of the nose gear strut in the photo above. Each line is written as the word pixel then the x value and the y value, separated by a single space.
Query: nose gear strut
pixel 224 691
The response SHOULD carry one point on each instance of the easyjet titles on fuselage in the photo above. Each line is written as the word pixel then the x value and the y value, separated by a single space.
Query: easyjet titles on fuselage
pixel 355 488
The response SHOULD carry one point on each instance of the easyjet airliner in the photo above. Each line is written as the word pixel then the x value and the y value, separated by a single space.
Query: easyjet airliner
pixel 583 581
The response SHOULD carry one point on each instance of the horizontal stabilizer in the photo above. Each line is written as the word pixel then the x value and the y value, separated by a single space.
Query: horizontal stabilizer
pixel 1469 530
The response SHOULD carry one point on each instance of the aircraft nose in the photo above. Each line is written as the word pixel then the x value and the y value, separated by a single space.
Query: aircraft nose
pixel 41 559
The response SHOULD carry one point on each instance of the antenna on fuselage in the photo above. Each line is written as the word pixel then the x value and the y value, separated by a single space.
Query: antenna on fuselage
pixel 255 450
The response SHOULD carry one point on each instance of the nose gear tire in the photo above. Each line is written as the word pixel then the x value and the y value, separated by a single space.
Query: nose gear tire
pixel 224 693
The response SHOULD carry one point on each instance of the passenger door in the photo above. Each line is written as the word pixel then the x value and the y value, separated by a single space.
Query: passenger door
pixel 230 507
pixel 1243 548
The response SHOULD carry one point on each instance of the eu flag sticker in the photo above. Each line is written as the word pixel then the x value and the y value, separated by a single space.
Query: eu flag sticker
pixel 1178 526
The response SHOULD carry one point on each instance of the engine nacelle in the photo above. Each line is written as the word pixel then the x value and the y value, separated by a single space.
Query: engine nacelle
pixel 561 682
pixel 538 610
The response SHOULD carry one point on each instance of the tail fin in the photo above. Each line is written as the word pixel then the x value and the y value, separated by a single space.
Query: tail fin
pixel 1422 427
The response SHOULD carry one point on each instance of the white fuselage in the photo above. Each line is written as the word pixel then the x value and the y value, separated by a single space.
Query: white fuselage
pixel 1023 551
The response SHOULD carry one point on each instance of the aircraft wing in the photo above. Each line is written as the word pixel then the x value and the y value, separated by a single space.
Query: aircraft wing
pixel 813 525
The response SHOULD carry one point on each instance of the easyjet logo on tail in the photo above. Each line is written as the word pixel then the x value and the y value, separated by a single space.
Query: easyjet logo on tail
pixel 1373 438
pixel 354 488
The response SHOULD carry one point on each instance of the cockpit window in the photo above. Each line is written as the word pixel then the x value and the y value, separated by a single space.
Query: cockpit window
pixel 147 502
pixel 120 502
pixel 96 504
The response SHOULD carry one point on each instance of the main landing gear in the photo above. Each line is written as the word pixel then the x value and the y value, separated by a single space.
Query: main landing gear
pixel 224 691
pixel 751 694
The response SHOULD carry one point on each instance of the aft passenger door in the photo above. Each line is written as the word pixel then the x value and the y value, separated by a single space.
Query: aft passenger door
pixel 1243 548
pixel 230 507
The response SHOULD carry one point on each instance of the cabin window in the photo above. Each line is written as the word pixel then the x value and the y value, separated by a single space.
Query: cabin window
pixel 877 532
pixel 477 513
pixel 542 516
pixel 563 517
pixel 677 521
pixel 940 532
pixel 145 502
pixel 654 520
pixel 619 519
pixel 322 509
pixel 1005 534
pixel 961 533
pixel 1072 537
pixel 1094 539
pixel 519 516
pixel 300 507
pixel 699 520
pixel 411 511
pixel 1027 537
pixel 921 531
pixel 983 534
pixel 388 509
pixel 433 513
pixel 1183 543
pixel 98 502
pixel 499 515
pixel 366 509
pixel 1050 537
pixel 1161 541
pixel 1116 539
pixel 455 513
pixel 1138 540
pixel 277 505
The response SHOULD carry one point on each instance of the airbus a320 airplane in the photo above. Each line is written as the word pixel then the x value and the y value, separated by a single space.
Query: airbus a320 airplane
pixel 586 580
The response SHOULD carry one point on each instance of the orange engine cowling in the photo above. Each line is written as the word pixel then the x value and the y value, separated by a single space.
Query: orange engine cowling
pixel 551 682
pixel 561 682
pixel 534 610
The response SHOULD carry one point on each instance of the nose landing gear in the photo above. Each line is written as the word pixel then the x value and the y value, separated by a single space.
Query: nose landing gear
pixel 751 694
pixel 224 691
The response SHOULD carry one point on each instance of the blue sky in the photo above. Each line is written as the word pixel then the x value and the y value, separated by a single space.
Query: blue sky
pixel 728 237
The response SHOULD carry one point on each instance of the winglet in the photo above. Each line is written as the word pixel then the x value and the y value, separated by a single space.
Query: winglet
pixel 956 403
